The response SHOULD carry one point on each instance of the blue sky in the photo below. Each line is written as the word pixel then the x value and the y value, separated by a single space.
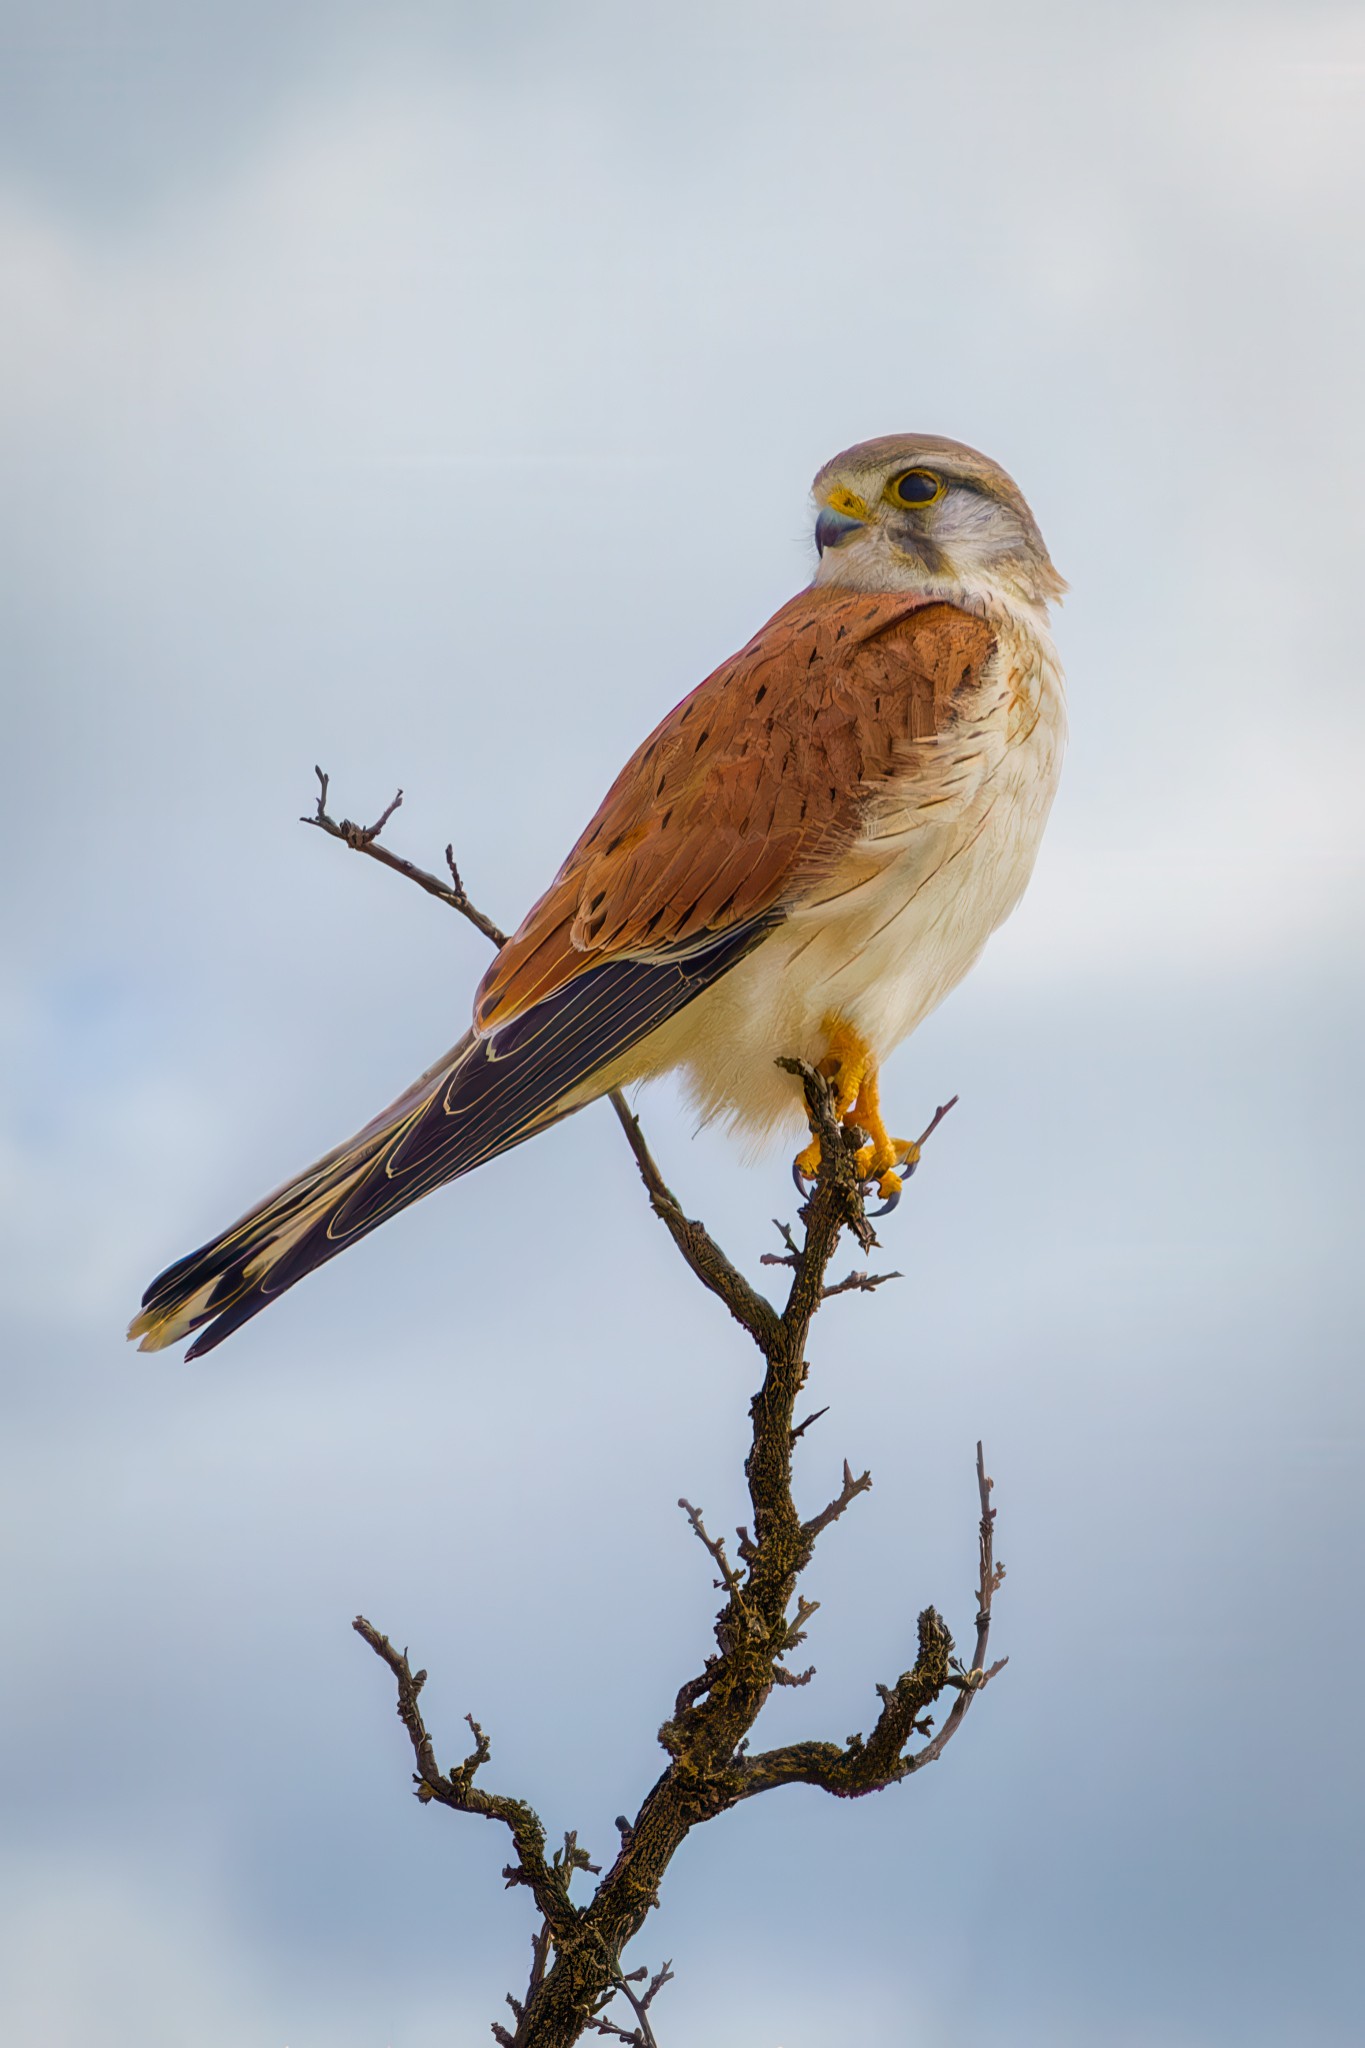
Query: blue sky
pixel 435 397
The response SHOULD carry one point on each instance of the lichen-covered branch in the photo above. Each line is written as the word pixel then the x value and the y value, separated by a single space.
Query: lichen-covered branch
pixel 576 1961
pixel 548 1882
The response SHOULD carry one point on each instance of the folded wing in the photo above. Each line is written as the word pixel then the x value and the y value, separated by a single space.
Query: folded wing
pixel 740 802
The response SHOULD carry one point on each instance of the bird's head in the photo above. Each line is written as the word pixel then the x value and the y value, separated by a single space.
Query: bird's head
pixel 917 512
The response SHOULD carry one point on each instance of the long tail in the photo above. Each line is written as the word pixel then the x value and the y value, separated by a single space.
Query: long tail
pixel 306 1221
pixel 485 1096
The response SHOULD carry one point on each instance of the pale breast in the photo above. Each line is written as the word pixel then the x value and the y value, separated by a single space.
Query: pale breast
pixel 944 858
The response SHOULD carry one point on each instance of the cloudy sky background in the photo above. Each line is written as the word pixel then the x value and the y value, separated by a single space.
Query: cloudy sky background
pixel 433 392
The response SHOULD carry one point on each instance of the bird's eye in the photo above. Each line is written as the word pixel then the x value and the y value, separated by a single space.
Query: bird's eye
pixel 915 487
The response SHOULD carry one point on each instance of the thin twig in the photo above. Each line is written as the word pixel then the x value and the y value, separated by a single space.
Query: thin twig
pixel 802 1427
pixel 752 1310
pixel 698 1247
pixel 859 1283
pixel 548 1882
pixel 713 1545
pixel 643 2035
pixel 843 1500
pixel 784 1231
pixel 365 839
pixel 978 1677
pixel 935 1120
pixel 662 1976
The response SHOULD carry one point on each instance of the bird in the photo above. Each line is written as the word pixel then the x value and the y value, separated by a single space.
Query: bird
pixel 801 860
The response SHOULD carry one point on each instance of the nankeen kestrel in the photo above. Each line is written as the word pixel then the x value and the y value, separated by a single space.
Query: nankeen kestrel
pixel 802 859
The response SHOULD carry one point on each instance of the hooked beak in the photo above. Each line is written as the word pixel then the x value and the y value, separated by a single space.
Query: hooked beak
pixel 833 528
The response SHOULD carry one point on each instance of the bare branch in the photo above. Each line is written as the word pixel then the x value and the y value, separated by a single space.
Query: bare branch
pixel 459 900
pixel 715 1546
pixel 793 1252
pixel 750 1309
pixel 547 1883
pixel 576 1968
pixel 642 2035
pixel 863 1766
pixel 802 1427
pixel 365 839
pixel 846 1495
pixel 785 1677
pixel 979 1676
pixel 663 1975
pixel 935 1120
pixel 409 1713
pixel 859 1283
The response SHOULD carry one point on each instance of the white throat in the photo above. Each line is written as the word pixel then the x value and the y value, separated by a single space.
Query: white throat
pixel 869 561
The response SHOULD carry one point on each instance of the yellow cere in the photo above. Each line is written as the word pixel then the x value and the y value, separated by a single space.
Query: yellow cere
pixel 849 503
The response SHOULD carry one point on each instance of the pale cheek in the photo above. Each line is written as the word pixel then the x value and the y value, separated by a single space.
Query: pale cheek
pixel 973 533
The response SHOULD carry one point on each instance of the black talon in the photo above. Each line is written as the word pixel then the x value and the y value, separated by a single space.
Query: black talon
pixel 893 1201
pixel 804 1182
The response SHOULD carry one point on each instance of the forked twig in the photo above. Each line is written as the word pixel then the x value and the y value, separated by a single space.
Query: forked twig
pixel 365 839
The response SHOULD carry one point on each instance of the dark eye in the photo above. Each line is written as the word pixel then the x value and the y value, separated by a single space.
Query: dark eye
pixel 915 487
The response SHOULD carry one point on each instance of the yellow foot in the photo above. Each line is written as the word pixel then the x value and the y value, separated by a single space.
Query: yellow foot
pixel 807 1161
pixel 890 1166
pixel 846 1066
pixel 851 1070
pixel 851 1067
pixel 887 1160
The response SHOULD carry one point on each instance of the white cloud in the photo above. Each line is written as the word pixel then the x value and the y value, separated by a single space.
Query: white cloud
pixel 445 428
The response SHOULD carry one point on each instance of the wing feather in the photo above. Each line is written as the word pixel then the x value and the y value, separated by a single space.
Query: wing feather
pixel 746 796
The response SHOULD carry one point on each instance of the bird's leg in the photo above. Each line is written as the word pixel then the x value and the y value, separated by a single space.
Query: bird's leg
pixel 845 1065
pixel 887 1160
